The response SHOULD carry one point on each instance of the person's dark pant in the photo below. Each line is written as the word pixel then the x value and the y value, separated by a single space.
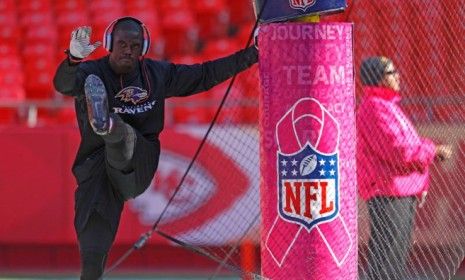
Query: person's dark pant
pixel 96 238
pixel 94 243
pixel 128 167
pixel 391 226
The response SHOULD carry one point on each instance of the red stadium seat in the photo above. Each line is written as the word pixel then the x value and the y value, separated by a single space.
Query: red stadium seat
pixel 243 34
pixel 220 47
pixel 100 21
pixel 11 78
pixel 66 22
pixel 212 17
pixel 11 86
pixel 46 34
pixel 12 92
pixel 7 6
pixel 109 6
pixel 11 82
pixel 73 18
pixel 35 6
pixel 165 8
pixel 35 51
pixel 31 19
pixel 10 63
pixel 140 5
pixel 10 33
pixel 181 33
pixel 148 17
pixel 70 6
pixel 7 50
pixel 188 59
pixel 39 68
pixel 232 108
pixel 8 17
pixel 240 107
pixel 193 111
pixel 241 11
pixel 157 41
pixel 39 80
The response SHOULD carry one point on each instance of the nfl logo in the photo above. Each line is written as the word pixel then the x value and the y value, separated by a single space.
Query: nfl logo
pixel 308 187
pixel 301 4
pixel 282 10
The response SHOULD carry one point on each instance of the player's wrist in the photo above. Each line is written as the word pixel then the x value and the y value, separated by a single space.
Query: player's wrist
pixel 73 59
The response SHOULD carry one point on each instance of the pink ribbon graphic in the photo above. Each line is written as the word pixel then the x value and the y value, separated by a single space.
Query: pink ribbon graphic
pixel 308 115
pixel 307 104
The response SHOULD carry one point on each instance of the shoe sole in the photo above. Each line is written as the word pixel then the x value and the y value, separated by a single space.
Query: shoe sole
pixel 97 104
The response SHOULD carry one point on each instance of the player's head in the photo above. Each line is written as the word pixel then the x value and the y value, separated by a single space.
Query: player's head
pixel 379 71
pixel 127 40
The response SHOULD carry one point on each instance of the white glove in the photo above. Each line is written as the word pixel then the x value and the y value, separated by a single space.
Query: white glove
pixel 80 46
pixel 255 37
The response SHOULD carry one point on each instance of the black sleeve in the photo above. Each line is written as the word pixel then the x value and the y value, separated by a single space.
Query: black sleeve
pixel 184 80
pixel 65 77
pixel 69 78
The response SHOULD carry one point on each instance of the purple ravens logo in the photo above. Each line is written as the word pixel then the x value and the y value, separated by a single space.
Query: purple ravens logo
pixel 135 95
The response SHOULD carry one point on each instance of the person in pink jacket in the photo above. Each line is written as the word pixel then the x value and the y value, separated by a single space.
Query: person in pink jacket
pixel 392 168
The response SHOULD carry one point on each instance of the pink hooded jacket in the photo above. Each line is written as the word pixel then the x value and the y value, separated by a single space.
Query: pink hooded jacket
pixel 392 159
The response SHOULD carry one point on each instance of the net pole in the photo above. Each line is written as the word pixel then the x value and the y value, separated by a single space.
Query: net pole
pixel 248 257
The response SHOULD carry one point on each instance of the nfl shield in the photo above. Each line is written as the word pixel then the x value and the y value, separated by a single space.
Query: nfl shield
pixel 308 187
pixel 301 4
pixel 281 10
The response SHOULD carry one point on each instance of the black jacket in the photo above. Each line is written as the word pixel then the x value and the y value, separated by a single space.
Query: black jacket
pixel 142 109
pixel 161 79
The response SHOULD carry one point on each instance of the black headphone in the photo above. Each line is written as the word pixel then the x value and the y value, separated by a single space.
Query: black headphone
pixel 108 35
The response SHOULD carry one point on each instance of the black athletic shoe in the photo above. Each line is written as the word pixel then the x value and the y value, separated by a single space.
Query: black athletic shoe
pixel 97 105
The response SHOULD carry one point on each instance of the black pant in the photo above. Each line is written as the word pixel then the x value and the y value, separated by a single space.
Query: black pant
pixel 102 190
pixel 94 243
pixel 391 226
